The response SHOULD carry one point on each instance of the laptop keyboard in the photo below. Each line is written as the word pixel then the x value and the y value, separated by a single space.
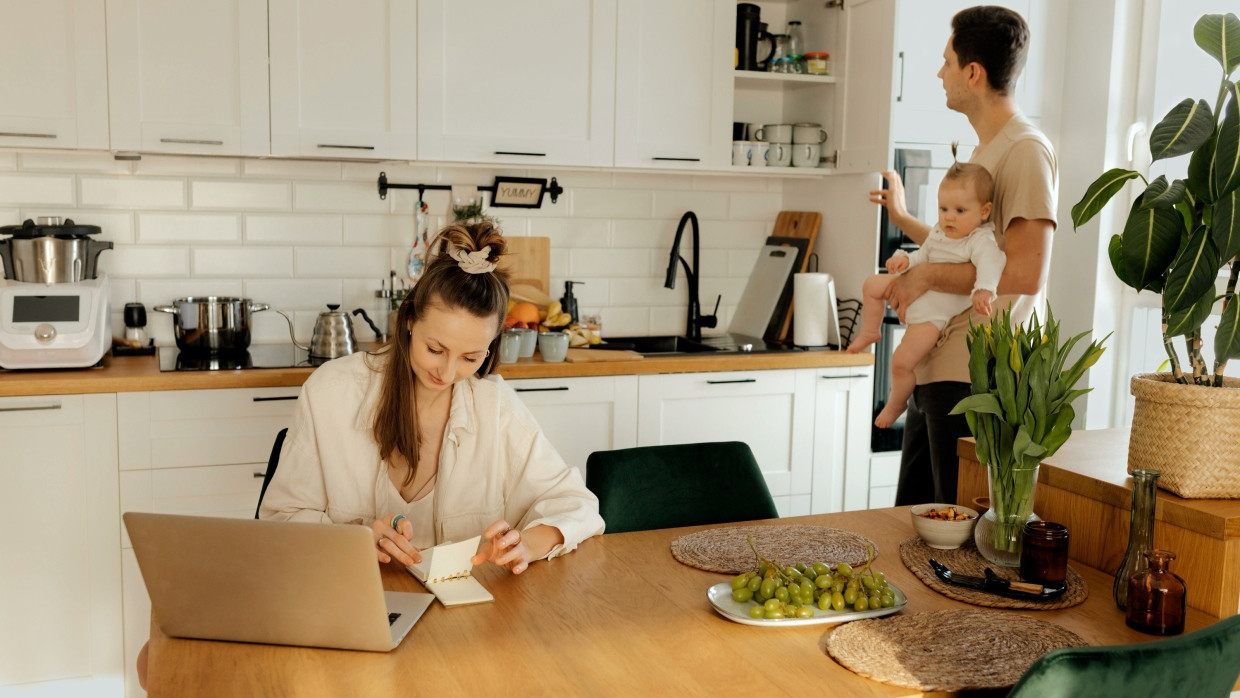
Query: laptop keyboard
pixel 392 618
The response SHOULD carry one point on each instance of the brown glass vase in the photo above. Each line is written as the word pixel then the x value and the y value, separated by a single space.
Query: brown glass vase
pixel 1157 597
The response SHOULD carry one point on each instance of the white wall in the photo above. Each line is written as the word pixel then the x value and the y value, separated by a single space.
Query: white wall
pixel 300 234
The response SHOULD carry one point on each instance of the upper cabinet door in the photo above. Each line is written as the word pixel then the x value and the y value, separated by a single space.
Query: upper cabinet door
pixel 863 109
pixel 186 76
pixel 521 81
pixel 674 83
pixel 54 80
pixel 344 78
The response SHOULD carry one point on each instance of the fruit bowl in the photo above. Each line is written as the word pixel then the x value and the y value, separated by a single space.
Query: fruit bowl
pixel 942 534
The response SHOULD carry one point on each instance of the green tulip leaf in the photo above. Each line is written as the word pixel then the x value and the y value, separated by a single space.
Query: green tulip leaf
pixel 1060 432
pixel 1227 340
pixel 1219 36
pixel 1159 194
pixel 1182 130
pixel 1225 225
pixel 1099 193
pixel 1151 240
pixel 1227 149
pixel 1189 320
pixel 1192 273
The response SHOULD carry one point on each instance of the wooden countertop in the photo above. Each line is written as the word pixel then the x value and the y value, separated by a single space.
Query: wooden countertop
pixel 130 374
pixel 618 614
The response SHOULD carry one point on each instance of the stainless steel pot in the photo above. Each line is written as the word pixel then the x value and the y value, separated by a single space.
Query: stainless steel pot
pixel 52 251
pixel 212 324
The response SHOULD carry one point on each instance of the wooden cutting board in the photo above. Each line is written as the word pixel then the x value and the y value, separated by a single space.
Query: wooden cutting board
pixel 585 356
pixel 796 224
pixel 528 262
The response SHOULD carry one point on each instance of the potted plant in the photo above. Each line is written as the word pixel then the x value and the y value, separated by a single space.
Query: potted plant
pixel 1020 413
pixel 1178 239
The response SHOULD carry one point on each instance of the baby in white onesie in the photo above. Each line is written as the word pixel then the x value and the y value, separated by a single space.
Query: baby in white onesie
pixel 962 234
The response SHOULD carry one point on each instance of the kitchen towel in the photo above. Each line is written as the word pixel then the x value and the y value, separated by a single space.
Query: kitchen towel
pixel 814 322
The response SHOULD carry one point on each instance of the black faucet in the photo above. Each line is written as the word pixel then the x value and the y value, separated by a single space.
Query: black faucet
pixel 695 321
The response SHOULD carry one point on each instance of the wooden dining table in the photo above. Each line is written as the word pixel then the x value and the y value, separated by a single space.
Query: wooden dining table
pixel 619 616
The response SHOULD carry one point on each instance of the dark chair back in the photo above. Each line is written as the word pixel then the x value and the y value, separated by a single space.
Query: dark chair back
pixel 272 461
pixel 1204 663
pixel 678 485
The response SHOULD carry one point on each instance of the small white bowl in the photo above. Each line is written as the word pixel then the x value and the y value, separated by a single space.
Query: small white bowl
pixel 943 535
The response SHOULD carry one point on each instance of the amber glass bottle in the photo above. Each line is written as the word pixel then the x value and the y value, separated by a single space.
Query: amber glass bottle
pixel 1157 597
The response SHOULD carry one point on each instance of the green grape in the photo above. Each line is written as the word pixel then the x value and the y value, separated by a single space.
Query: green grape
pixel 790 571
pixel 742 595
pixel 768 587
pixel 869 582
pixel 754 583
pixel 837 586
pixel 876 601
pixel 781 593
pixel 801 567
pixel 887 601
pixel 821 568
pixel 757 612
pixel 740 581
pixel 882 578
pixel 772 603
pixel 773 614
pixel 807 589
pixel 824 602
pixel 822 581
pixel 850 596
pixel 810 573
pixel 861 604
pixel 805 612
pixel 844 568
pixel 762 568
pixel 837 601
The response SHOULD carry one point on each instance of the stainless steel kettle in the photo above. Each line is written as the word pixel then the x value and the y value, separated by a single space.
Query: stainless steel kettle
pixel 333 335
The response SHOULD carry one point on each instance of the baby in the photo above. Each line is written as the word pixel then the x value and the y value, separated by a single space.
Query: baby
pixel 961 235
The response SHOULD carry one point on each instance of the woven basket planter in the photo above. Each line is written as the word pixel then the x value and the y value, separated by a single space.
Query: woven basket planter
pixel 1190 434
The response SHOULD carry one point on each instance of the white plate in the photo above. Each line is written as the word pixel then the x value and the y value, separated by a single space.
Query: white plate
pixel 720 597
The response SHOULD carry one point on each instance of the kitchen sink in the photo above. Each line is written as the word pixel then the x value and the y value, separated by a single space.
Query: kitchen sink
pixel 662 345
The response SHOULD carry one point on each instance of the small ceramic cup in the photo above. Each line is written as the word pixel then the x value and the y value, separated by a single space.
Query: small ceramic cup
pixel 553 346
pixel 805 154
pixel 742 151
pixel 761 151
pixel 529 341
pixel 780 155
pixel 509 347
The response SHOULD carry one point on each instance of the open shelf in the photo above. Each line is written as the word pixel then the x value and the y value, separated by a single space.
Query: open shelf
pixel 755 79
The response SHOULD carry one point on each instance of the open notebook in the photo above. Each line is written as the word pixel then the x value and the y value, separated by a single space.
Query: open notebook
pixel 444 571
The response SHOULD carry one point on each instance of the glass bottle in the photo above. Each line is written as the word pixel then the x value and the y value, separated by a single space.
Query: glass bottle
pixel 1044 553
pixel 1157 597
pixel 1140 531
pixel 796 46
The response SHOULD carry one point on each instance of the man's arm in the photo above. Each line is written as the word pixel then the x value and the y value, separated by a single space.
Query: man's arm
pixel 1028 252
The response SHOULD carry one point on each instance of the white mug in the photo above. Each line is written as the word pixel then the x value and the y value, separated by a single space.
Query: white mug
pixel 805 154
pixel 780 155
pixel 808 133
pixel 775 133
pixel 761 152
pixel 742 152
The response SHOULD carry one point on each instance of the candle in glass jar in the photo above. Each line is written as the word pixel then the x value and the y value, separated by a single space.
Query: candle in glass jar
pixel 1044 553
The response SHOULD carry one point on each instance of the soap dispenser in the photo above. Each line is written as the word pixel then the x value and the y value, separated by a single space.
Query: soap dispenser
pixel 568 303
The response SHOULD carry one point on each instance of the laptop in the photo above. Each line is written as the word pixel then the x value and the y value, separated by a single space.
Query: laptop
pixel 274 582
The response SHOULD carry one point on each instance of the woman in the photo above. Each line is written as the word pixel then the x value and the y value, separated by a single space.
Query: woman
pixel 419 441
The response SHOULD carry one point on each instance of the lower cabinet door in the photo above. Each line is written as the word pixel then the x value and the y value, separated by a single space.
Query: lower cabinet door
pixel 583 415
pixel 843 397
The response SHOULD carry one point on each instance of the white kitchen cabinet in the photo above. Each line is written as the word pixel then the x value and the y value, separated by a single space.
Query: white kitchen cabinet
pixel 198 452
pixel 674 83
pixel 884 478
pixel 188 77
pixel 772 411
pixel 344 78
pixel 842 399
pixel 530 83
pixel 54 80
pixel 60 592
pixel 583 415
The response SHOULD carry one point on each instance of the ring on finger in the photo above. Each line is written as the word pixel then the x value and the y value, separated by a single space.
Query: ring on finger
pixel 396 521
pixel 379 543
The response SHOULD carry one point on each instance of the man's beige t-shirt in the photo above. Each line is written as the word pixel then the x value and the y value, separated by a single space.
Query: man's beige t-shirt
pixel 1026 174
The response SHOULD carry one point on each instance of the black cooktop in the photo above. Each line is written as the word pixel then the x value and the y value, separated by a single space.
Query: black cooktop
pixel 257 356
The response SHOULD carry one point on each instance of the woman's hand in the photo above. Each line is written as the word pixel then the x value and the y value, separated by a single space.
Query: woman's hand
pixel 392 536
pixel 503 545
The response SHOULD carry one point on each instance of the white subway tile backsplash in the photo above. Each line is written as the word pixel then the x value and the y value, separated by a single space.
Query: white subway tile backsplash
pixel 132 192
pixel 625 320
pixel 707 205
pixel 343 263
pixel 294 294
pixel 272 196
pixel 116 226
pixel 146 261
pixel 572 232
pixel 188 227
pixel 9 216
pixel 749 235
pixel 186 165
pixel 648 291
pixel 347 197
pixel 761 207
pixel 713 262
pixel 614 262
pixel 655 234
pixel 559 262
pixel 248 261
pixel 591 292
pixel 25 189
pixel 69 161
pixel 290 169
pixel 397 173
pixel 582 179
pixel 163 292
pixel 611 203
pixel 293 229
pixel 657 182
pixel 750 184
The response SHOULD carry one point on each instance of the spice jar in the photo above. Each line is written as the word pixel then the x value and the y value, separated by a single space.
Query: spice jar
pixel 1156 597
pixel 1044 553
pixel 818 63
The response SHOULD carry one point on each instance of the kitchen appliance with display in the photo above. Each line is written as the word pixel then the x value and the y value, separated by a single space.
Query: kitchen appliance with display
pixel 54 307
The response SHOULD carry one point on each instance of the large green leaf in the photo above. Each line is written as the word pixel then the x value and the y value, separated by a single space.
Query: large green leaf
pixel 1192 272
pixel 1151 240
pixel 982 403
pixel 1115 251
pixel 1159 194
pixel 1227 149
pixel 1201 172
pixel 1099 193
pixel 1225 225
pixel 1219 36
pixel 1182 130
pixel 1227 340
pixel 1189 320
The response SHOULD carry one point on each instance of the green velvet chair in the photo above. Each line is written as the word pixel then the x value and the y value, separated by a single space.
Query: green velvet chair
pixel 680 485
pixel 1202 664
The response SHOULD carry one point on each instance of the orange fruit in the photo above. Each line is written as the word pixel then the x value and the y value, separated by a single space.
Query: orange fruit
pixel 525 312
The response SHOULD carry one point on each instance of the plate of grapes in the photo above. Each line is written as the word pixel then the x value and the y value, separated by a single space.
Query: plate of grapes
pixel 805 594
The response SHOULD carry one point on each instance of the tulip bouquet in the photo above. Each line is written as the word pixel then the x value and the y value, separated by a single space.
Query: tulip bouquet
pixel 1020 412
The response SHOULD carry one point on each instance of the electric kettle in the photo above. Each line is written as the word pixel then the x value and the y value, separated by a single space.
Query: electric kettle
pixel 333 334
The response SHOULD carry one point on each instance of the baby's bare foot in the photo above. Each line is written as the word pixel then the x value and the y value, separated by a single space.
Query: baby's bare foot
pixel 863 342
pixel 889 415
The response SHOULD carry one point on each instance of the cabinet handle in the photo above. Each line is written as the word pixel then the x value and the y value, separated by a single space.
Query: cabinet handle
pixel 514 152
pixel 277 397
pixel 558 388
pixel 260 473
pixel 851 375
pixel 31 408
pixel 14 134
pixel 900 97
pixel 350 147
pixel 190 141
pixel 679 159
pixel 736 380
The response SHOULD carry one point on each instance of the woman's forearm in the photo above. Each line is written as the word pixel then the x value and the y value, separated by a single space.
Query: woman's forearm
pixel 540 539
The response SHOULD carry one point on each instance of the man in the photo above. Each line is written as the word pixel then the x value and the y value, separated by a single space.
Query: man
pixel 983 58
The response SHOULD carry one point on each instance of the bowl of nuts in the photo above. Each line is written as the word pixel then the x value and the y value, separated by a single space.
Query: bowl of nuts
pixel 944 526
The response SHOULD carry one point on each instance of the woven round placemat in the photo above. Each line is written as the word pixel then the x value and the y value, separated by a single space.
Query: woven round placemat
pixel 967 560
pixel 949 650
pixel 727 549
